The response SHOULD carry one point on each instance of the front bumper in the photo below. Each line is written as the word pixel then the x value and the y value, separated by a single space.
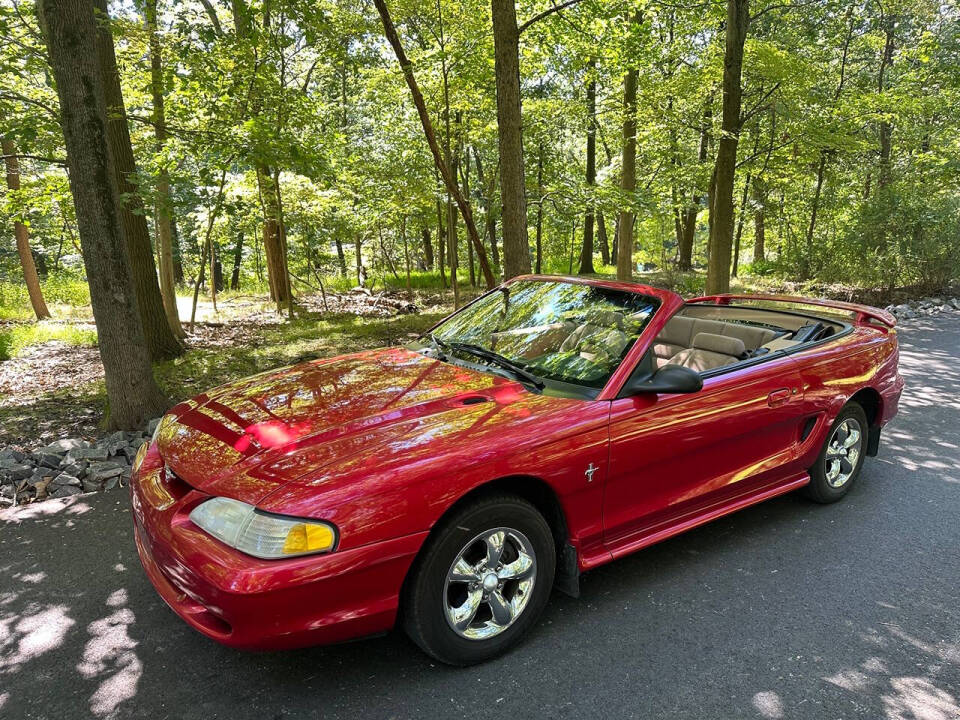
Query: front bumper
pixel 245 602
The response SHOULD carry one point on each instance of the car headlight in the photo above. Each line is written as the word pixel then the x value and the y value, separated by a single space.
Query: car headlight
pixel 261 534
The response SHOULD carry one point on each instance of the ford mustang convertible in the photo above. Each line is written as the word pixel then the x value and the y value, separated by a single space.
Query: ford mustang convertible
pixel 550 426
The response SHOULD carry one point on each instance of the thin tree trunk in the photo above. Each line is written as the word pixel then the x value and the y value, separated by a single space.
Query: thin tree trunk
pixel 885 129
pixel 488 193
pixel 513 199
pixel 70 34
pixel 22 234
pixel 161 341
pixel 427 248
pixel 808 254
pixel 759 220
pixel 739 233
pixel 539 264
pixel 602 239
pixel 441 245
pixel 586 254
pixel 237 259
pixel 206 250
pixel 406 254
pixel 688 218
pixel 341 258
pixel 168 290
pixel 178 276
pixel 448 179
pixel 628 174
pixel 721 234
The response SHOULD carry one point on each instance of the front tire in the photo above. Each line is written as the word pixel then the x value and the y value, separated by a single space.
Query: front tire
pixel 841 457
pixel 482 581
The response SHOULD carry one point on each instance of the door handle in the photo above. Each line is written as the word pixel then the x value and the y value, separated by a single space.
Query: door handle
pixel 778 397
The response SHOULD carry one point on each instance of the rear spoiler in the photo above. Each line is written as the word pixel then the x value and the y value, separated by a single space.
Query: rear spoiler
pixel 864 314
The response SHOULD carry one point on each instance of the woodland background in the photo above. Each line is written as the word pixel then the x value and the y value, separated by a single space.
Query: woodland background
pixel 245 163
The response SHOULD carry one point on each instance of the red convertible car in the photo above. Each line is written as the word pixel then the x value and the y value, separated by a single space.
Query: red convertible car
pixel 550 426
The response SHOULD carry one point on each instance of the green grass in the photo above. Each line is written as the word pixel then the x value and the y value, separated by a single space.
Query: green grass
pixel 67 297
pixel 17 338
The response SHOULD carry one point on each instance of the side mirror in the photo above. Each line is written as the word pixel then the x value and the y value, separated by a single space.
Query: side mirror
pixel 671 379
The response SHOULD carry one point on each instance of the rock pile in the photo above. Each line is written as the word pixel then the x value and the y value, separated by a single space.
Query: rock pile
pixel 69 467
pixel 924 306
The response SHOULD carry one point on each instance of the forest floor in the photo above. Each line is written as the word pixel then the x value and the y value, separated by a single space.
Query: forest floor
pixel 53 388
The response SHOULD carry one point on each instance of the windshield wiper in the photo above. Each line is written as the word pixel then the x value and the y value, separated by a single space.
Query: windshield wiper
pixel 498 359
pixel 440 345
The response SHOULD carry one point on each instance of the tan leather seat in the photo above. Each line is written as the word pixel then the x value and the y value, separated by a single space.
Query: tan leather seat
pixel 709 351
pixel 679 332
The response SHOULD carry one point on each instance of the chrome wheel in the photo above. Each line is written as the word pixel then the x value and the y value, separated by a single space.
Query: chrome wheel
pixel 843 452
pixel 489 583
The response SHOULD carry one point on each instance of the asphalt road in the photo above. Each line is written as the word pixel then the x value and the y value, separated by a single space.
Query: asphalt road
pixel 784 610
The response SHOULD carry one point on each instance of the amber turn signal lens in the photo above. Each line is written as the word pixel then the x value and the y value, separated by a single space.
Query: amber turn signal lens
pixel 308 538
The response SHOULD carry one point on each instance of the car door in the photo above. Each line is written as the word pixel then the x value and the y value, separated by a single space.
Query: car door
pixel 673 457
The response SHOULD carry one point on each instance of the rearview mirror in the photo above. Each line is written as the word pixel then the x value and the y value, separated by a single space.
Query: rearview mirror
pixel 672 379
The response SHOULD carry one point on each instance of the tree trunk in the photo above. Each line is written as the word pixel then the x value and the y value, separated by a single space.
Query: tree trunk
pixel 448 180
pixel 602 239
pixel 814 209
pixel 427 248
pixel 273 238
pixel 586 254
pixel 739 233
pixel 71 36
pixel 161 341
pixel 885 129
pixel 513 199
pixel 539 263
pixel 759 220
pixel 22 234
pixel 688 218
pixel 341 258
pixel 178 276
pixel 628 176
pixel 237 259
pixel 721 233
pixel 441 245
pixel 168 290
pixel 488 198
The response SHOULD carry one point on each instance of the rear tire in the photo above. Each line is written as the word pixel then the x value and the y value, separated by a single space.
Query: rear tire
pixel 841 458
pixel 466 602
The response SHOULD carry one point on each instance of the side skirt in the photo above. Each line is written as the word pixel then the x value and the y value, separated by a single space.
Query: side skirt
pixel 688 522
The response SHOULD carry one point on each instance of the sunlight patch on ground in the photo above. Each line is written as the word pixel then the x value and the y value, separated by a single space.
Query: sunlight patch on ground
pixel 27 636
pixel 768 704
pixel 916 698
pixel 110 657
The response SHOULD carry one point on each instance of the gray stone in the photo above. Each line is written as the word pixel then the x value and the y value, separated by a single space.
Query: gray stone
pixel 65 445
pixel 90 486
pixel 18 472
pixel 50 460
pixel 77 469
pixel 111 483
pixel 15 456
pixel 64 479
pixel 65 491
pixel 8 491
pixel 93 453
pixel 152 425
pixel 104 471
pixel 945 308
pixel 955 302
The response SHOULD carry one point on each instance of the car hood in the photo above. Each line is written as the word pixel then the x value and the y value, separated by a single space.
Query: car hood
pixel 247 439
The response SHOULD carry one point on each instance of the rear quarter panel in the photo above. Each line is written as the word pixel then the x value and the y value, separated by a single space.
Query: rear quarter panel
pixel 833 372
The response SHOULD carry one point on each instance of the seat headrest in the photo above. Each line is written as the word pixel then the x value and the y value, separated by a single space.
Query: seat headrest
pixel 722 344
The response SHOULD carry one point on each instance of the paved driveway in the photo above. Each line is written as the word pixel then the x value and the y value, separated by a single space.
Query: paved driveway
pixel 784 610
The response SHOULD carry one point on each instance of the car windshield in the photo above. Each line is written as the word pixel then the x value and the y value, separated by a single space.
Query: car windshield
pixel 560 331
